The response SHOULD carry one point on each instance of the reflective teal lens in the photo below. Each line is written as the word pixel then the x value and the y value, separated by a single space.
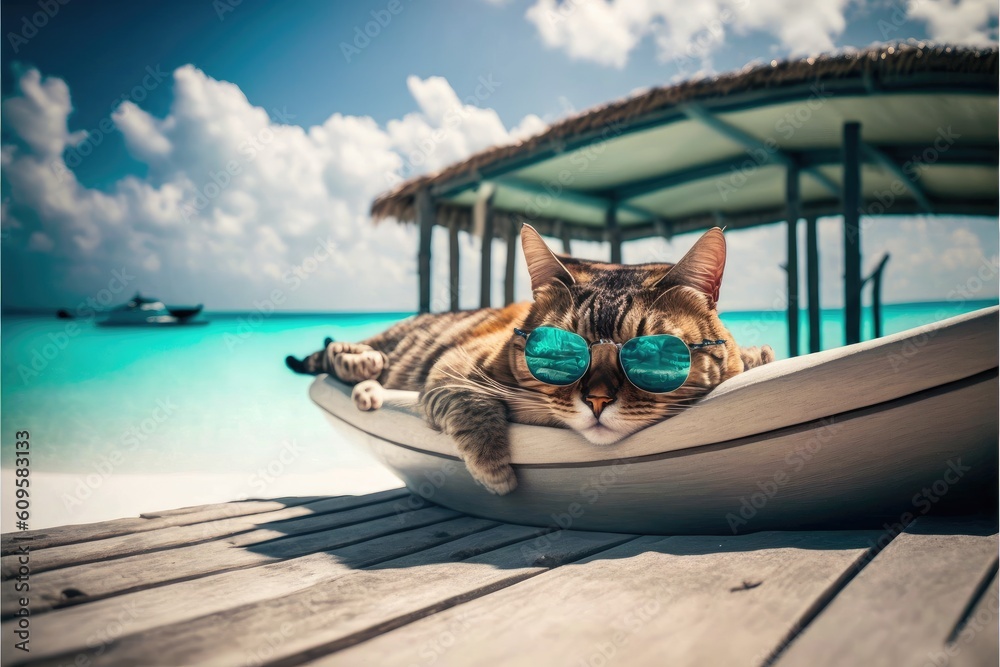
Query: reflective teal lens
pixel 657 364
pixel 556 356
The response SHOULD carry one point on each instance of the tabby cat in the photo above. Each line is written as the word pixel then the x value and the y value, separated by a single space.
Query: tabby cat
pixel 471 370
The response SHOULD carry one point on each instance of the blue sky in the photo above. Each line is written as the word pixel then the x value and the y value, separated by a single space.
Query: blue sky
pixel 117 115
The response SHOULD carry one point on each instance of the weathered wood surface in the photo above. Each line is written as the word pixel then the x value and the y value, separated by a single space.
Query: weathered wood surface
pixel 181 535
pixel 325 617
pixel 387 579
pixel 51 537
pixel 71 631
pixel 902 608
pixel 976 641
pixel 295 538
pixel 650 601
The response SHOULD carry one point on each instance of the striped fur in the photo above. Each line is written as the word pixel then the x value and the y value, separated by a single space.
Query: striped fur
pixel 470 370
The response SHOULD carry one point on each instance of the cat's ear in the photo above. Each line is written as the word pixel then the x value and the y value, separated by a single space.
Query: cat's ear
pixel 702 266
pixel 543 265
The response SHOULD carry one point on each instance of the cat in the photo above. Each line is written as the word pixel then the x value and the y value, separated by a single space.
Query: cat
pixel 470 367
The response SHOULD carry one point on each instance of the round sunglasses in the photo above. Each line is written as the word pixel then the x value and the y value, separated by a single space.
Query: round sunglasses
pixel 656 364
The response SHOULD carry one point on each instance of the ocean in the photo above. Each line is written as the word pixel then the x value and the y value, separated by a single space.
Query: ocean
pixel 215 402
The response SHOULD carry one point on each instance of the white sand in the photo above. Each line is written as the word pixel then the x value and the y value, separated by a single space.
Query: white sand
pixel 66 498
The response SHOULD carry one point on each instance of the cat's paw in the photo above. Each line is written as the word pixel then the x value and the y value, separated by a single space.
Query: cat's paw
pixel 368 395
pixel 360 366
pixel 756 356
pixel 498 479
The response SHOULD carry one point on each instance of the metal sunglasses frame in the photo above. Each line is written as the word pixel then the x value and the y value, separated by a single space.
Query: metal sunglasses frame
pixel 590 357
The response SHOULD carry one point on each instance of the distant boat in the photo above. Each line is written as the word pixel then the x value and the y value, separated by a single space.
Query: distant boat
pixel 142 311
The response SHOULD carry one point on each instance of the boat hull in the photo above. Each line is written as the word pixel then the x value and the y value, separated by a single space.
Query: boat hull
pixel 809 444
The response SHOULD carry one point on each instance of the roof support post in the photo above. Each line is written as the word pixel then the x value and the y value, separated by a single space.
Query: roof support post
pixel 614 233
pixel 812 283
pixel 792 261
pixel 508 279
pixel 484 209
pixel 453 266
pixel 564 237
pixel 425 222
pixel 852 232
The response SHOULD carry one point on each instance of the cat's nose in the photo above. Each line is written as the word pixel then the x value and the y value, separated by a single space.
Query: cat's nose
pixel 602 381
pixel 598 403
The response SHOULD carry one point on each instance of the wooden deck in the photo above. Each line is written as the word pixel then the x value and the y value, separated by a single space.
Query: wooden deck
pixel 388 579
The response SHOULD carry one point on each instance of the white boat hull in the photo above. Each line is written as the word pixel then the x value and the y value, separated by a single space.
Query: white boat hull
pixel 871 434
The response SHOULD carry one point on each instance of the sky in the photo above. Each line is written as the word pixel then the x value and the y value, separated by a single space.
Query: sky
pixel 226 152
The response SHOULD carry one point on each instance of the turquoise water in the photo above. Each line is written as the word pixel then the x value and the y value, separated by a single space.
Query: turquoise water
pixel 217 398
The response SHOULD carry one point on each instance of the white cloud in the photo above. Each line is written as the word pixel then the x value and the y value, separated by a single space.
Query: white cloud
pixel 606 31
pixel 957 21
pixel 237 201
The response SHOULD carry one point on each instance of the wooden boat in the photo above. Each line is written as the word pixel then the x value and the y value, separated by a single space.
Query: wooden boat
pixel 874 433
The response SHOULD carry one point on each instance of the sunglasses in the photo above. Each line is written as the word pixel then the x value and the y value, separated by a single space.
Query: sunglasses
pixel 655 364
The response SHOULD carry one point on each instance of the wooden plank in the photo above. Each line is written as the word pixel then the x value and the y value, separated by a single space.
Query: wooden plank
pixel 45 538
pixel 83 629
pixel 976 642
pixel 83 583
pixel 225 508
pixel 904 604
pixel 174 536
pixel 674 601
pixel 324 617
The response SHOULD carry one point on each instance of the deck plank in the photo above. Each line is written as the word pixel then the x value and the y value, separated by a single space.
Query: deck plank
pixel 175 536
pixel 679 601
pixel 82 629
pixel 45 538
pixel 295 538
pixel 354 607
pixel 978 641
pixel 902 606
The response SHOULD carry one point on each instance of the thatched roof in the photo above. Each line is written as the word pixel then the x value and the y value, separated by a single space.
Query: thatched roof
pixel 875 69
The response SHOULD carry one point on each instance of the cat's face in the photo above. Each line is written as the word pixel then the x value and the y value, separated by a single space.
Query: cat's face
pixel 605 302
